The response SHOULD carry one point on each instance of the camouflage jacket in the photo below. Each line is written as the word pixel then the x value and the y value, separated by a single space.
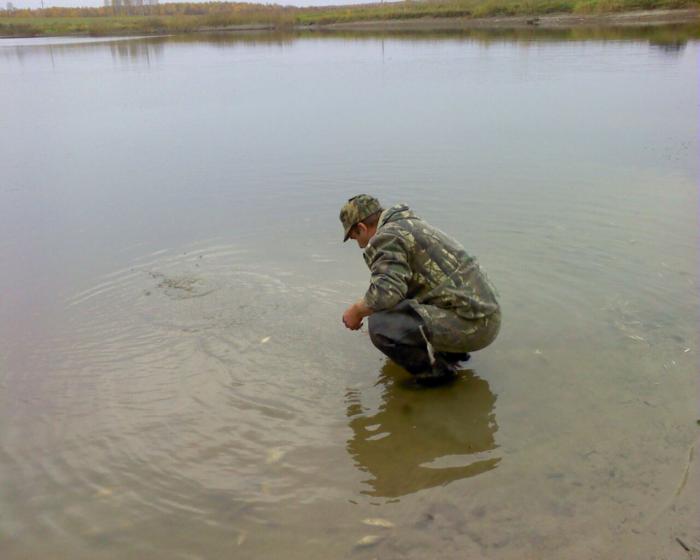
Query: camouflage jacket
pixel 410 259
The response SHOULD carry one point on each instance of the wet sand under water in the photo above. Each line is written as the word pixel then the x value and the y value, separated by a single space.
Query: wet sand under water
pixel 220 423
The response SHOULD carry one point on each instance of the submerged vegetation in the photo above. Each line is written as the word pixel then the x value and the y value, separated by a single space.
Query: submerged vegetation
pixel 188 17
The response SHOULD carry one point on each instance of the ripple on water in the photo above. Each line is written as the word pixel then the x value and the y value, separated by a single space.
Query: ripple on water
pixel 182 375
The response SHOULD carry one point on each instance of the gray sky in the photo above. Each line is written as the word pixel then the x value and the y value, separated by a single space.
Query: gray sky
pixel 93 3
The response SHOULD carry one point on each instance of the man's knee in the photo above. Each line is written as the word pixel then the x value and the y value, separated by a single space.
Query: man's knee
pixel 394 326
pixel 375 324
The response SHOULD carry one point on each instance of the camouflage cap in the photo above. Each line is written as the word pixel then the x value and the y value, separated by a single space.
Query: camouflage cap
pixel 357 209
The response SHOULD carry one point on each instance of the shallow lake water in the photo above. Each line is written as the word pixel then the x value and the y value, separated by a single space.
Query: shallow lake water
pixel 175 379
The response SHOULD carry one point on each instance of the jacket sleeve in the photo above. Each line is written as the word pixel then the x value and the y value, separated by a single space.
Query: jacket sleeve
pixel 387 258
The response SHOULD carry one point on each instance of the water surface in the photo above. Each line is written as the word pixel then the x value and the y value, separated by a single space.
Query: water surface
pixel 175 381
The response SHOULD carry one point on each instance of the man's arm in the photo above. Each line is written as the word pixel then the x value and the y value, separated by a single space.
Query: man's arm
pixel 352 318
pixel 387 257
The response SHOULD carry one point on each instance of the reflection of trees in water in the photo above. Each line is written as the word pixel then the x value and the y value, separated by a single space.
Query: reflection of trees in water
pixel 423 437
pixel 225 39
pixel 521 35
pixel 673 48
pixel 527 34
pixel 669 39
pixel 123 49
pixel 134 51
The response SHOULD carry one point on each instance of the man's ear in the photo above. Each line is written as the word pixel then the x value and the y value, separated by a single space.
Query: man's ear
pixel 362 227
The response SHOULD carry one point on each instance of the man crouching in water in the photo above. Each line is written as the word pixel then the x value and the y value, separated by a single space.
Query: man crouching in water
pixel 428 302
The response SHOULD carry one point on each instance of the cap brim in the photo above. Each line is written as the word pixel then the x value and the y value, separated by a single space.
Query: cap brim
pixel 347 233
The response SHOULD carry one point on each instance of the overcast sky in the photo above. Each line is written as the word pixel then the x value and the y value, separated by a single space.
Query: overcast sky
pixel 92 3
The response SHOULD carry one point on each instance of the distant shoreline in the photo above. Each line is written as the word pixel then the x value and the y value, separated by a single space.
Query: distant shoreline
pixel 552 21
pixel 644 18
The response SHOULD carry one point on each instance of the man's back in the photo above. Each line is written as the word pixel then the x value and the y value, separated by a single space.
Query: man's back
pixel 410 259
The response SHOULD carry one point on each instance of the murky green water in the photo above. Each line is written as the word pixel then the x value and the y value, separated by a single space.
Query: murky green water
pixel 175 380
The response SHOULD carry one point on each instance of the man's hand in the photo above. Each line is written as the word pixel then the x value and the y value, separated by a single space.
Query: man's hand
pixel 352 318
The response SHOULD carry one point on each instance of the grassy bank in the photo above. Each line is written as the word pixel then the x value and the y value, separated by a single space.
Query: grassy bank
pixel 119 25
pixel 183 18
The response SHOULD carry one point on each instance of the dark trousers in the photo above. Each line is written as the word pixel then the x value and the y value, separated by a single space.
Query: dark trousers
pixel 397 334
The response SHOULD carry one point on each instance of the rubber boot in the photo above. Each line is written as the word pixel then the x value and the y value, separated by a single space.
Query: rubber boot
pixel 440 372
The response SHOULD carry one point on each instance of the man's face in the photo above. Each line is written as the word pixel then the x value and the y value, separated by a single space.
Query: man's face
pixel 360 233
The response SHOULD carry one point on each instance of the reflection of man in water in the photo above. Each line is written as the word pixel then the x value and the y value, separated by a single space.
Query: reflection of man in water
pixel 429 302
pixel 420 439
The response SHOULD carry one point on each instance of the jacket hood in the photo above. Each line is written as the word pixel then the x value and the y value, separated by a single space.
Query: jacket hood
pixel 395 213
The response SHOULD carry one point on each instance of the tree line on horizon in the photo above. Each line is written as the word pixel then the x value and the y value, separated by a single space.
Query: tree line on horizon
pixel 185 17
pixel 166 9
